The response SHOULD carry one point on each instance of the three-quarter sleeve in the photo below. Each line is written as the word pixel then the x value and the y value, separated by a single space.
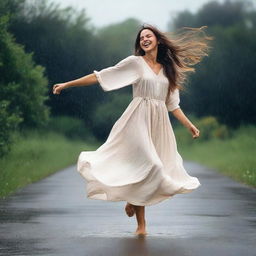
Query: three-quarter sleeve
pixel 173 100
pixel 125 72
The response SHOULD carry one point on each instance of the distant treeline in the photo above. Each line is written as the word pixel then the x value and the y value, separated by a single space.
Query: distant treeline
pixel 43 44
pixel 224 84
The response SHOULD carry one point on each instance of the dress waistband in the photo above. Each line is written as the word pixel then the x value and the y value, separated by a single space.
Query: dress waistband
pixel 148 98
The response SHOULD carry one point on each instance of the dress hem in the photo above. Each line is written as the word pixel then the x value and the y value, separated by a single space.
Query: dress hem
pixel 146 204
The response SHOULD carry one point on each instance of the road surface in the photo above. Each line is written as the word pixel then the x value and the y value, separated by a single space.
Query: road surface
pixel 54 217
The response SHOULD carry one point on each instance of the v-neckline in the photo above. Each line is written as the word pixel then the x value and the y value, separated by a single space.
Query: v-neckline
pixel 151 68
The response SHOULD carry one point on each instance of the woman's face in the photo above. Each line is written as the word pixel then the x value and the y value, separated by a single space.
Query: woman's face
pixel 148 40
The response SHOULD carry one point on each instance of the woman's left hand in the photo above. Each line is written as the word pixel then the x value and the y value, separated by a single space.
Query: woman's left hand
pixel 195 132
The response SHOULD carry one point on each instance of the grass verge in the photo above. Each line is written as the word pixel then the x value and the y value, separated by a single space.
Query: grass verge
pixel 234 157
pixel 36 156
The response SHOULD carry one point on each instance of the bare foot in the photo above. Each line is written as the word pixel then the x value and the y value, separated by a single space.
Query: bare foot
pixel 129 209
pixel 141 231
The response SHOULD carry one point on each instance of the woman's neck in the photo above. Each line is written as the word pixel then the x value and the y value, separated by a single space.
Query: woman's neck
pixel 151 57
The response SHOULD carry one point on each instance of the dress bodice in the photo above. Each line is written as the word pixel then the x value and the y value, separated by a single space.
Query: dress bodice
pixel 150 85
pixel 146 83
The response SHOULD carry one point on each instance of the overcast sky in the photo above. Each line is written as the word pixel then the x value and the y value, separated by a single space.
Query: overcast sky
pixel 155 12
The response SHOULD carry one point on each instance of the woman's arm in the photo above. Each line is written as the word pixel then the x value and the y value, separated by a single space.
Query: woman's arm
pixel 178 113
pixel 83 81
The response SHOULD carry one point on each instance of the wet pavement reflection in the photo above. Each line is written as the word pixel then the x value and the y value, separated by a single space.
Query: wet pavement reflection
pixel 54 217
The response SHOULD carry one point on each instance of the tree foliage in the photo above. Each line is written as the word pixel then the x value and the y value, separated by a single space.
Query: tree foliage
pixel 214 13
pixel 22 86
pixel 63 42
pixel 68 46
pixel 107 113
pixel 224 83
pixel 118 40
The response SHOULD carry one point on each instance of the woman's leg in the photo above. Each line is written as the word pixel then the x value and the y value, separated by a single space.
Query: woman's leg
pixel 140 216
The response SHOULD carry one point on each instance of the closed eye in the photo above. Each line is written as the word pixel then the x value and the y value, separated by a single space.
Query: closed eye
pixel 148 36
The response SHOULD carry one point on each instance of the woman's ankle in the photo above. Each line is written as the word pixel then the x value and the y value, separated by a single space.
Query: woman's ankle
pixel 142 224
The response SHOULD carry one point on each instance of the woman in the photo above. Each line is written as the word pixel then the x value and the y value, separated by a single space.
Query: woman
pixel 139 162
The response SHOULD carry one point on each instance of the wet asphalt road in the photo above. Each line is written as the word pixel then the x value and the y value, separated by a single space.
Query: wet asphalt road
pixel 54 217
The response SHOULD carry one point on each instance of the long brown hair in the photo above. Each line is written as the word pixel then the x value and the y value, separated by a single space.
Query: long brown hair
pixel 178 52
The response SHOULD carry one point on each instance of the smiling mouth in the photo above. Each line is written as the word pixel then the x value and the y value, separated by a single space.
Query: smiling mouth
pixel 147 44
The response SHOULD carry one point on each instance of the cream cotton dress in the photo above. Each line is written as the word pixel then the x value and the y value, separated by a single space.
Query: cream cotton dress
pixel 139 162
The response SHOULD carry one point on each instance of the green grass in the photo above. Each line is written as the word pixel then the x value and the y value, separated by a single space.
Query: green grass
pixel 36 156
pixel 234 157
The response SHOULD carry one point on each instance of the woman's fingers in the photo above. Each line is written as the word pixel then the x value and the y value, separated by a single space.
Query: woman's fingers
pixel 195 132
pixel 56 89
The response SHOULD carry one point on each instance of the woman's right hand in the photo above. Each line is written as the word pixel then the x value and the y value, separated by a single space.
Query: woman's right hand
pixel 57 88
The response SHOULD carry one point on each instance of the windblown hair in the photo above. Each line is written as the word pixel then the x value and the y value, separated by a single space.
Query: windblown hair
pixel 178 52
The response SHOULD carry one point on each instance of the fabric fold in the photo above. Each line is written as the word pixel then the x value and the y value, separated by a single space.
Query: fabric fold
pixel 139 162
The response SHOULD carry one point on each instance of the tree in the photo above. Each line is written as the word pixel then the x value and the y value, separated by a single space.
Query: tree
pixel 22 87
pixel 223 85
pixel 69 47
pixel 118 40
pixel 64 43
pixel 214 13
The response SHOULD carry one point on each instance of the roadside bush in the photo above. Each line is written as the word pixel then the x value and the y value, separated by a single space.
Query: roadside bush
pixel 106 114
pixel 22 87
pixel 209 128
pixel 8 122
pixel 72 128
